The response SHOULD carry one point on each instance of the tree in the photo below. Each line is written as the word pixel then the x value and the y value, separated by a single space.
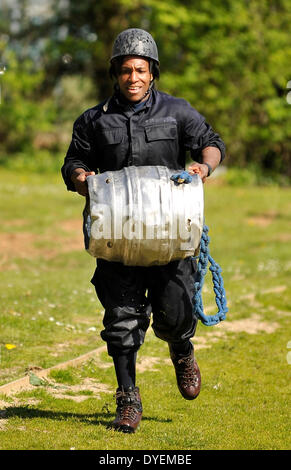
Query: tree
pixel 230 60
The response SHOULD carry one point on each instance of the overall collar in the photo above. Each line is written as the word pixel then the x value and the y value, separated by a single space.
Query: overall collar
pixel 128 106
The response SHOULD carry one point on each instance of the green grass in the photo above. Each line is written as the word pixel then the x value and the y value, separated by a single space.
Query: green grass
pixel 49 312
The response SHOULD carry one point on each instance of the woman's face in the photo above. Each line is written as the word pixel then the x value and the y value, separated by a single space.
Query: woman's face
pixel 134 78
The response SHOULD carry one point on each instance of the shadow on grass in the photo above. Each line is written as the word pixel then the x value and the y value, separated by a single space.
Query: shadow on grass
pixel 104 419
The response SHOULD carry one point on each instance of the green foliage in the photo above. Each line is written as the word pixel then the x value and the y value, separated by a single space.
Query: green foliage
pixel 43 161
pixel 36 381
pixel 65 376
pixel 24 112
pixel 230 60
pixel 35 128
pixel 253 175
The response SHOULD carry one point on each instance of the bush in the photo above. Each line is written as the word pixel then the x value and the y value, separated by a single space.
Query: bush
pixel 254 175
pixel 26 112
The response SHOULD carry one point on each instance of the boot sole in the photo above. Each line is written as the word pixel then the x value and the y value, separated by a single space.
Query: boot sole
pixel 187 397
pixel 124 428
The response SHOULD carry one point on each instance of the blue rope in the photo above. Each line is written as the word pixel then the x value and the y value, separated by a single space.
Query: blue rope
pixel 204 259
pixel 218 287
pixel 182 177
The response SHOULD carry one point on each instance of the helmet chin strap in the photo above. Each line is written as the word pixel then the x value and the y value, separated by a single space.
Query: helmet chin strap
pixel 146 93
pixel 117 89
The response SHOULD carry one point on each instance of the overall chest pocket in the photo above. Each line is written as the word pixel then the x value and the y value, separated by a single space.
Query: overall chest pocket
pixel 161 143
pixel 111 137
pixel 112 148
pixel 164 132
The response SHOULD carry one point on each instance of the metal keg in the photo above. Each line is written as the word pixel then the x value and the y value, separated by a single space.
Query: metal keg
pixel 140 217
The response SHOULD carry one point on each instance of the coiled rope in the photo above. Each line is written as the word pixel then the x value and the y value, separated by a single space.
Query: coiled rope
pixel 203 260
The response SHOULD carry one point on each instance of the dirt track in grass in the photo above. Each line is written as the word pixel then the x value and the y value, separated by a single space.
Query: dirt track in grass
pixel 63 238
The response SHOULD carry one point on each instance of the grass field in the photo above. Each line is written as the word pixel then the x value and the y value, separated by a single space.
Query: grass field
pixel 49 314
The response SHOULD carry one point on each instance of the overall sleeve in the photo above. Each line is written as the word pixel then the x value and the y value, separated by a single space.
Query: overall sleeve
pixel 198 134
pixel 80 151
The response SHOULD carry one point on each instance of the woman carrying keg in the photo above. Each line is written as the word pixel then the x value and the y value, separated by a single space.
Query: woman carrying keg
pixel 141 126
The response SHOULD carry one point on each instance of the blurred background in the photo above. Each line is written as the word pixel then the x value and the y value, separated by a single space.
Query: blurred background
pixel 230 60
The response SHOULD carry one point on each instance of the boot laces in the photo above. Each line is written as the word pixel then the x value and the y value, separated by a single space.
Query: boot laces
pixel 128 405
pixel 187 371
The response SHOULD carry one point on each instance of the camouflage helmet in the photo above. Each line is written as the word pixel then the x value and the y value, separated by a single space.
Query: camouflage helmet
pixel 135 41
